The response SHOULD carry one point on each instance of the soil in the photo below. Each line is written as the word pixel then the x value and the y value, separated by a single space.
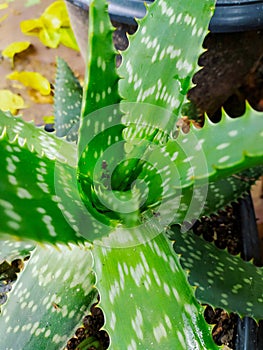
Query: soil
pixel 90 331
pixel 232 73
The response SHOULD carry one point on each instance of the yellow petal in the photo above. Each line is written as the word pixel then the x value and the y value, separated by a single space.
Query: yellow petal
pixel 33 80
pixel 67 38
pixel 59 11
pixel 49 119
pixel 3 6
pixel 10 101
pixel 49 38
pixel 31 26
pixel 15 47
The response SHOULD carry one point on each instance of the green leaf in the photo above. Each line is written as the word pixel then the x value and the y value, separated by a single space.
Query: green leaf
pixel 147 300
pixel 169 55
pixel 12 249
pixel 203 200
pixel 100 88
pixel 36 139
pixel 36 181
pixel 236 146
pixel 49 299
pixel 101 79
pixel 67 104
pixel 30 206
pixel 222 280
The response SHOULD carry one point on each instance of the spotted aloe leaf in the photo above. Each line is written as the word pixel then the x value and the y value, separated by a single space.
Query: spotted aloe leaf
pixel 12 249
pixel 222 280
pixel 100 85
pixel 218 143
pixel 196 201
pixel 67 104
pixel 101 125
pixel 168 60
pixel 36 139
pixel 140 297
pixel 23 191
pixel 48 300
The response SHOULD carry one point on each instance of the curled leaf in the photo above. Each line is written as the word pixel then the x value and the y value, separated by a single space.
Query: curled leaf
pixel 14 48
pixel 49 38
pixel 67 38
pixel 56 15
pixel 52 27
pixel 10 101
pixel 31 26
pixel 33 80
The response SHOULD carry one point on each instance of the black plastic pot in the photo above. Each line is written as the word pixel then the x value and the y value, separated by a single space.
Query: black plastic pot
pixel 229 16
pixel 237 15
pixel 122 11
pixel 249 334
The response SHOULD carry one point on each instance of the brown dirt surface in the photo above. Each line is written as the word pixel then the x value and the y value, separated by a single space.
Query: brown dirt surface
pixel 37 58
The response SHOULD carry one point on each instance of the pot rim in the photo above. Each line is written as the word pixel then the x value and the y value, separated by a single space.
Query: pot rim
pixel 229 16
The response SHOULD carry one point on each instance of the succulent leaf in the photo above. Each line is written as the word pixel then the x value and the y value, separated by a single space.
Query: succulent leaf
pixel 139 295
pixel 101 79
pixel 48 300
pixel 230 146
pixel 100 128
pixel 222 280
pixel 12 249
pixel 23 148
pixel 23 191
pixel 167 58
pixel 36 139
pixel 67 104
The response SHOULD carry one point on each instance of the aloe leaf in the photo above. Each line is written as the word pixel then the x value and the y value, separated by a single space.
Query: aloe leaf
pixel 36 139
pixel 168 55
pixel 227 147
pixel 196 201
pixel 139 296
pixel 50 193
pixel 67 103
pixel 169 62
pixel 13 249
pixel 101 81
pixel 25 193
pixel 49 299
pixel 222 280
pixel 224 191
pixel 199 156
pixel 25 147
pixel 200 170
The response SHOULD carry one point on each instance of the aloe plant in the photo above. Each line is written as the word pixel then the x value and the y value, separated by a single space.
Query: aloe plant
pixel 105 204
